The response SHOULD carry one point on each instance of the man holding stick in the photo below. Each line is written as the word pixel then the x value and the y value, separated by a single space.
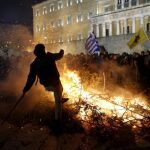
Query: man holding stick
pixel 44 67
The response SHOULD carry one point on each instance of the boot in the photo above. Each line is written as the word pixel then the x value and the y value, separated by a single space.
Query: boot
pixel 57 127
pixel 64 100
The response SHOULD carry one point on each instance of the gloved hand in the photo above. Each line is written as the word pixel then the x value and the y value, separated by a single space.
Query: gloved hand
pixel 61 51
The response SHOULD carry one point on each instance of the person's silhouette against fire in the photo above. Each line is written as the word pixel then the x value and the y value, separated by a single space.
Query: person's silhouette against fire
pixel 44 67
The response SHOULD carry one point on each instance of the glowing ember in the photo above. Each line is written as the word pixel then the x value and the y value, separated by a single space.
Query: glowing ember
pixel 128 110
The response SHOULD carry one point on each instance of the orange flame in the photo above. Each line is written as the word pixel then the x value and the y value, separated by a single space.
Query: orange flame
pixel 113 106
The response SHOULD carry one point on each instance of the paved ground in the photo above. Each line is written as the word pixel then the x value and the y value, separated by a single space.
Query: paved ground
pixel 32 135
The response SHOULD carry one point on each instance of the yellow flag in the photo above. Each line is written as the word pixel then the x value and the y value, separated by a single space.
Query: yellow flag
pixel 139 37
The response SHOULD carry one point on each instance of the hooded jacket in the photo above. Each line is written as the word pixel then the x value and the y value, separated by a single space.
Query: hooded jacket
pixel 45 69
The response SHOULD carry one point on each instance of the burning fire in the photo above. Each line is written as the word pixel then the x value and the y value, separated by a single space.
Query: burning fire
pixel 134 109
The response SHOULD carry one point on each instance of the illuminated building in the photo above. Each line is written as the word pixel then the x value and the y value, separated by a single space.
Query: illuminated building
pixel 117 20
pixel 67 23
pixel 63 23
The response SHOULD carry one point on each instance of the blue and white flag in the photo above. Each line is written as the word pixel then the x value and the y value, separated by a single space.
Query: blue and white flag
pixel 91 44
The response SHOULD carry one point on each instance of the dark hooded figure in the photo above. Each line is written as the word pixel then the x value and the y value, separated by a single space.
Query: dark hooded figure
pixel 44 67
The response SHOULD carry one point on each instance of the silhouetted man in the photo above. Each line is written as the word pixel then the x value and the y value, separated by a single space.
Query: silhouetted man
pixel 45 69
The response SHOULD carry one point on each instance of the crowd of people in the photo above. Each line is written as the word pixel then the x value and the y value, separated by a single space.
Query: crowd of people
pixel 118 68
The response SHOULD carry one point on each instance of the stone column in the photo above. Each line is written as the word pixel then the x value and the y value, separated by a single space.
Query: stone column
pixel 142 21
pixel 137 2
pixel 92 28
pixel 116 2
pixel 110 28
pixel 129 3
pixel 117 26
pixel 133 24
pixel 122 4
pixel 97 7
pixel 104 29
pixel 125 26
pixel 97 30
pixel 121 26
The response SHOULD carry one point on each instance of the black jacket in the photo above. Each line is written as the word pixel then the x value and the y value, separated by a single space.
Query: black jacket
pixel 45 69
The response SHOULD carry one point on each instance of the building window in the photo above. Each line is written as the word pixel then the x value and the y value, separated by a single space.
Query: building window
pixel 144 1
pixel 60 23
pixel 52 8
pixel 37 12
pixel 119 1
pixel 126 3
pixel 119 4
pixel 79 18
pixel 79 1
pixel 60 40
pixel 44 10
pixel 53 24
pixel 133 2
pixel 45 37
pixel 69 20
pixel 44 27
pixel 89 15
pixel 53 41
pixel 69 3
pixel 69 39
pixel 60 5
pixel 109 8
pixel 107 32
pixel 79 37
pixel 37 28
pixel 148 27
pixel 128 29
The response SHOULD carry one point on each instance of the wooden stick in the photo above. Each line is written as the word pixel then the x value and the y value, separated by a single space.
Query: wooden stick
pixel 13 108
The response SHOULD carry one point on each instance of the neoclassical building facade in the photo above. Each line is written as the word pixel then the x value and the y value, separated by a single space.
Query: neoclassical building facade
pixel 117 17
pixel 63 23
pixel 67 23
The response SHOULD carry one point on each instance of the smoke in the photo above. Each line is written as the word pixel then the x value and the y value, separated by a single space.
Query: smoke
pixel 103 76
pixel 14 80
pixel 17 37
pixel 107 77
pixel 15 41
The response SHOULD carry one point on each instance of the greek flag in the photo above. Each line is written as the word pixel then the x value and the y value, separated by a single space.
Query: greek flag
pixel 91 44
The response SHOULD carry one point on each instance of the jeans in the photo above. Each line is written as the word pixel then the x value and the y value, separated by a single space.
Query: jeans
pixel 58 89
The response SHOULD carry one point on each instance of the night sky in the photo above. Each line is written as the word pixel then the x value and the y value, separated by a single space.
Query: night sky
pixel 17 11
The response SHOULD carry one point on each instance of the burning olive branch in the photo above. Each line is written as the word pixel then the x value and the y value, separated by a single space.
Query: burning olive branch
pixel 128 109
